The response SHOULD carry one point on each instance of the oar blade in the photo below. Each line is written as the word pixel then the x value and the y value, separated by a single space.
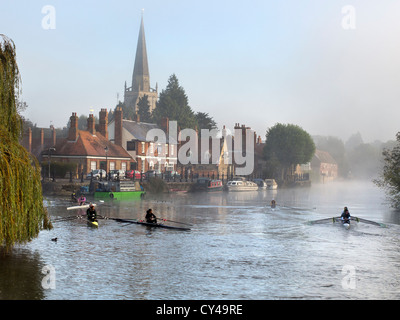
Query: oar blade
pixel 379 224
pixel 322 221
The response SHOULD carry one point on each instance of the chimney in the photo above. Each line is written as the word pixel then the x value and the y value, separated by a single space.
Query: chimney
pixel 103 123
pixel 165 125
pixel 42 139
pixel 54 136
pixel 90 124
pixel 29 139
pixel 73 129
pixel 118 127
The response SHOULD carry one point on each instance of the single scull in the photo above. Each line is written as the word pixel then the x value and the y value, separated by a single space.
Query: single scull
pixel 152 225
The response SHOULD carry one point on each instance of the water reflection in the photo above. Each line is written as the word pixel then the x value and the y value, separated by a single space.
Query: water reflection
pixel 238 248
pixel 20 275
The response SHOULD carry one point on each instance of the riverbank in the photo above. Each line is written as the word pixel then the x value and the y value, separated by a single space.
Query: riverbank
pixel 64 188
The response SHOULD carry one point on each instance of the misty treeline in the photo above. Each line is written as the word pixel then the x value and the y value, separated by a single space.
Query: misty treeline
pixel 355 158
pixel 389 177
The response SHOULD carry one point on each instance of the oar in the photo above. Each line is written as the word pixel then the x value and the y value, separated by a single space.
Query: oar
pixel 369 222
pixel 333 219
pixel 296 208
pixel 186 224
pixel 66 218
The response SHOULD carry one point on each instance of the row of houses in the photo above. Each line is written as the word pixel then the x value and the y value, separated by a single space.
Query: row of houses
pixel 125 145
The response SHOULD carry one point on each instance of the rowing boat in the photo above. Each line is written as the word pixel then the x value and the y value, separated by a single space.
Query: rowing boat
pixel 347 225
pixel 93 224
pixel 85 206
pixel 152 225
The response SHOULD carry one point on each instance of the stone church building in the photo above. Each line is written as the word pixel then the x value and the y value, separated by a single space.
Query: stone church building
pixel 140 78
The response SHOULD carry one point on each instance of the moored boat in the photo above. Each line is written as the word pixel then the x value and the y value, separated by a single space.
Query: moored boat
pixel 207 184
pixel 119 190
pixel 241 185
pixel 262 185
pixel 271 184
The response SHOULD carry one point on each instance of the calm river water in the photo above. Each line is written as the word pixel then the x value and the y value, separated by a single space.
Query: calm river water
pixel 238 248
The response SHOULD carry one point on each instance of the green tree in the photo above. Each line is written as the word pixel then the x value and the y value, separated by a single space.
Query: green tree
pixel 22 214
pixel 205 121
pixel 288 145
pixel 128 113
pixel 173 103
pixel 144 109
pixel 389 177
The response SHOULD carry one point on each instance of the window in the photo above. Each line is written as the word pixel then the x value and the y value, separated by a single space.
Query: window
pixel 172 149
pixel 143 148
pixel 92 165
pixel 130 146
pixel 123 166
pixel 112 165
pixel 151 148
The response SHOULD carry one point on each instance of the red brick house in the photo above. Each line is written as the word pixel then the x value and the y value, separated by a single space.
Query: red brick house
pixel 131 135
pixel 89 149
pixel 324 167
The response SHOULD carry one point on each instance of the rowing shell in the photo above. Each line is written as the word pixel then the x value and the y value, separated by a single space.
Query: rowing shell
pixel 85 206
pixel 153 225
pixel 94 224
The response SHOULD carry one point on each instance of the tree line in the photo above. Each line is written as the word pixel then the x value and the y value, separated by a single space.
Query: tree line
pixel 174 104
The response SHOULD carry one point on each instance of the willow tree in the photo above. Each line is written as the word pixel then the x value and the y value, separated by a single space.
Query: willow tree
pixel 22 214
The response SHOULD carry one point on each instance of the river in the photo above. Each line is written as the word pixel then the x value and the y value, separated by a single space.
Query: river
pixel 238 249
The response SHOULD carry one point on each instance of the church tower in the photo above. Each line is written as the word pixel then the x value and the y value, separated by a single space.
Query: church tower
pixel 141 77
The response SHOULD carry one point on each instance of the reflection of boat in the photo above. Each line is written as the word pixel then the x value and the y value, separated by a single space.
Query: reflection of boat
pixel 207 184
pixel 241 185
pixel 262 185
pixel 271 184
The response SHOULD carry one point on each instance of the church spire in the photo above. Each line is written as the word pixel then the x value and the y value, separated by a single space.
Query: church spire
pixel 141 76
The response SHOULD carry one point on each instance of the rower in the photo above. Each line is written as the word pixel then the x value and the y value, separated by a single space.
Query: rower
pixel 91 213
pixel 73 196
pixel 345 217
pixel 150 217
pixel 81 200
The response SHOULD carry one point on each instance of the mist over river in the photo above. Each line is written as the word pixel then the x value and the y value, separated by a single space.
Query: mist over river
pixel 238 248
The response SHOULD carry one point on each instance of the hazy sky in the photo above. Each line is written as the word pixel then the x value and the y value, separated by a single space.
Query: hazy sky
pixel 257 63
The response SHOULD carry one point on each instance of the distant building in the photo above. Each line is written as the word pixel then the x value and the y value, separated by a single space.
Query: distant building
pixel 324 168
pixel 141 78
pixel 210 165
pixel 38 140
pixel 90 149
pixel 147 154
